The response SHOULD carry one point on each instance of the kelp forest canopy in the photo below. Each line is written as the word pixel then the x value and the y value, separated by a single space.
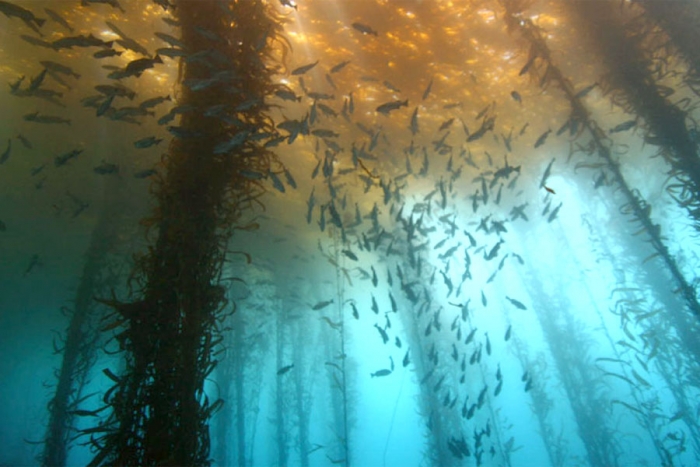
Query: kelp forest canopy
pixel 334 232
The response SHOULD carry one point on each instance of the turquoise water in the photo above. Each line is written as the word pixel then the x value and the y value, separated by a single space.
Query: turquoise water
pixel 476 245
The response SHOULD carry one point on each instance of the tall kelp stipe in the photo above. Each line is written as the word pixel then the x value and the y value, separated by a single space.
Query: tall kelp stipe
pixel 631 79
pixel 82 338
pixel 160 412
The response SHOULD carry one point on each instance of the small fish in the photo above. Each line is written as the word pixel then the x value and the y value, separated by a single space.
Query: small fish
pixel 5 155
pixel 553 214
pixel 426 93
pixel 79 41
pixel 147 142
pixel 287 95
pixel 106 53
pixel 138 66
pixel 105 106
pixel 33 262
pixel 389 106
pixel 285 369
pixel 46 119
pixel 59 68
pixel 25 142
pixel 10 10
pixel 583 92
pixel 516 304
pixel 321 305
pixel 170 40
pixel 145 173
pixel 106 168
pixel 549 190
pixel 508 331
pixel 516 97
pixel 543 137
pixel 276 182
pixel 350 255
pixel 116 90
pixel 384 372
pixel 364 29
pixel 59 19
pixel 340 66
pixel 64 158
pixel 355 313
pixel 303 69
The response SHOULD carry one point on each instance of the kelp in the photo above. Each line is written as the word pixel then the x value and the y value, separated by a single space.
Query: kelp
pixel 159 409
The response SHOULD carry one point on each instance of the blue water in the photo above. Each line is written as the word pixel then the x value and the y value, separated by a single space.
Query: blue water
pixel 467 290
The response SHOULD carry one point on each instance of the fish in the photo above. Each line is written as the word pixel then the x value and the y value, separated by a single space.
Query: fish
pixel 276 182
pixel 47 119
pixel 170 40
pixel 382 333
pixel 147 142
pixel 517 304
pixel 446 124
pixel 106 168
pixel 35 41
pixel 145 173
pixel 508 332
pixel 375 307
pixel 499 386
pixel 550 190
pixel 350 255
pixel 364 29
pixel 116 90
pixel 546 173
pixel 414 122
pixel 321 305
pixel 384 372
pixel 583 92
pixel 426 93
pixel 170 52
pixel 25 142
pixel 390 86
pixel 112 3
pixel 79 41
pixel 64 158
pixel 58 19
pixel 406 359
pixel 6 154
pixel 33 262
pixel 150 103
pixel 516 97
pixel 553 214
pixel 287 95
pixel 389 106
pixel 543 137
pixel 340 66
pixel 138 66
pixel 285 369
pixel 303 69
pixel 105 106
pixel 10 10
pixel 59 68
